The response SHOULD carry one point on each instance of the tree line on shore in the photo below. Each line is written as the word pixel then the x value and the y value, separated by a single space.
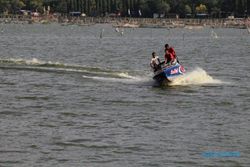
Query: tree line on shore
pixel 132 8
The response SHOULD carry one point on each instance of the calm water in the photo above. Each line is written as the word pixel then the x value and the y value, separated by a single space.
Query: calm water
pixel 69 98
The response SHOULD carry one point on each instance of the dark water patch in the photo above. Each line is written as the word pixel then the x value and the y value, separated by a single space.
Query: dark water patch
pixel 89 126
pixel 227 162
pixel 68 123
pixel 46 153
pixel 90 146
pixel 122 151
pixel 101 161
pixel 244 95
pixel 36 108
pixel 62 160
pixel 68 144
pixel 48 125
pixel 13 151
pixel 34 98
pixel 57 149
pixel 151 127
pixel 41 85
pixel 13 113
pixel 135 149
pixel 224 103
pixel 88 114
pixel 122 102
pixel 33 146
pixel 150 164
pixel 44 160
pixel 6 162
pixel 80 140
pixel 69 114
pixel 7 83
pixel 186 162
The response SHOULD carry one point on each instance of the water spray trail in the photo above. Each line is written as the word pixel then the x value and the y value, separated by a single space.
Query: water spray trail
pixel 196 77
pixel 89 72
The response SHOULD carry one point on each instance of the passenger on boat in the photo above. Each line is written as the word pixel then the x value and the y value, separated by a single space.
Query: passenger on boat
pixel 155 62
pixel 170 55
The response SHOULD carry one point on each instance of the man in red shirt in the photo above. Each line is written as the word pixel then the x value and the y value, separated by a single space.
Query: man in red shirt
pixel 170 55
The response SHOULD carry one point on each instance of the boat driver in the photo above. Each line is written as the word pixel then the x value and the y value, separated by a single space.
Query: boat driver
pixel 155 62
pixel 170 55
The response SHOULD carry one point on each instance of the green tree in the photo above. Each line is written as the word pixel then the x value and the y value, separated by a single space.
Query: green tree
pixel 16 5
pixel 158 6
pixel 11 6
pixel 201 8
pixel 144 7
pixel 4 5
pixel 61 6
pixel 164 8
pixel 34 5
pixel 147 7
pixel 211 5
pixel 188 9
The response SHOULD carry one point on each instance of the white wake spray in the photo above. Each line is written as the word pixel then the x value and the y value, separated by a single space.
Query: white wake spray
pixel 122 77
pixel 33 61
pixel 195 77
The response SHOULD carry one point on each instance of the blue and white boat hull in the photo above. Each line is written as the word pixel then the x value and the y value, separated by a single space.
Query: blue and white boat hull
pixel 169 73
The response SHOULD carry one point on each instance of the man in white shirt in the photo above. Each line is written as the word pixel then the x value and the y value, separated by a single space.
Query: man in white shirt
pixel 155 62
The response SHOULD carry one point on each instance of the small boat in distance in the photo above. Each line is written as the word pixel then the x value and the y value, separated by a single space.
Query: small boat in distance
pixel 168 73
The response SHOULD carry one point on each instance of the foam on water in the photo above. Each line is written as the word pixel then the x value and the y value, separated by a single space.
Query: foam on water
pixel 107 79
pixel 195 77
pixel 33 61
pixel 126 75
pixel 92 72
pixel 122 77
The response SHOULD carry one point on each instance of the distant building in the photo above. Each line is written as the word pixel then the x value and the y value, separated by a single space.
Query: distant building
pixel 77 14
pixel 202 15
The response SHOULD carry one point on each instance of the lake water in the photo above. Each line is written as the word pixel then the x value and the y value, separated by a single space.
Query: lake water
pixel 84 96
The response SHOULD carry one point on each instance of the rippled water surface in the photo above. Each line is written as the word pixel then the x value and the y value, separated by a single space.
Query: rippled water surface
pixel 70 96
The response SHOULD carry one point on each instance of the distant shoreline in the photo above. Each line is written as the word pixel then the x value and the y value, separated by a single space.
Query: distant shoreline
pixel 125 22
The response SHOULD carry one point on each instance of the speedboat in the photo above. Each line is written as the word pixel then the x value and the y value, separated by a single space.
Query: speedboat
pixel 168 73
